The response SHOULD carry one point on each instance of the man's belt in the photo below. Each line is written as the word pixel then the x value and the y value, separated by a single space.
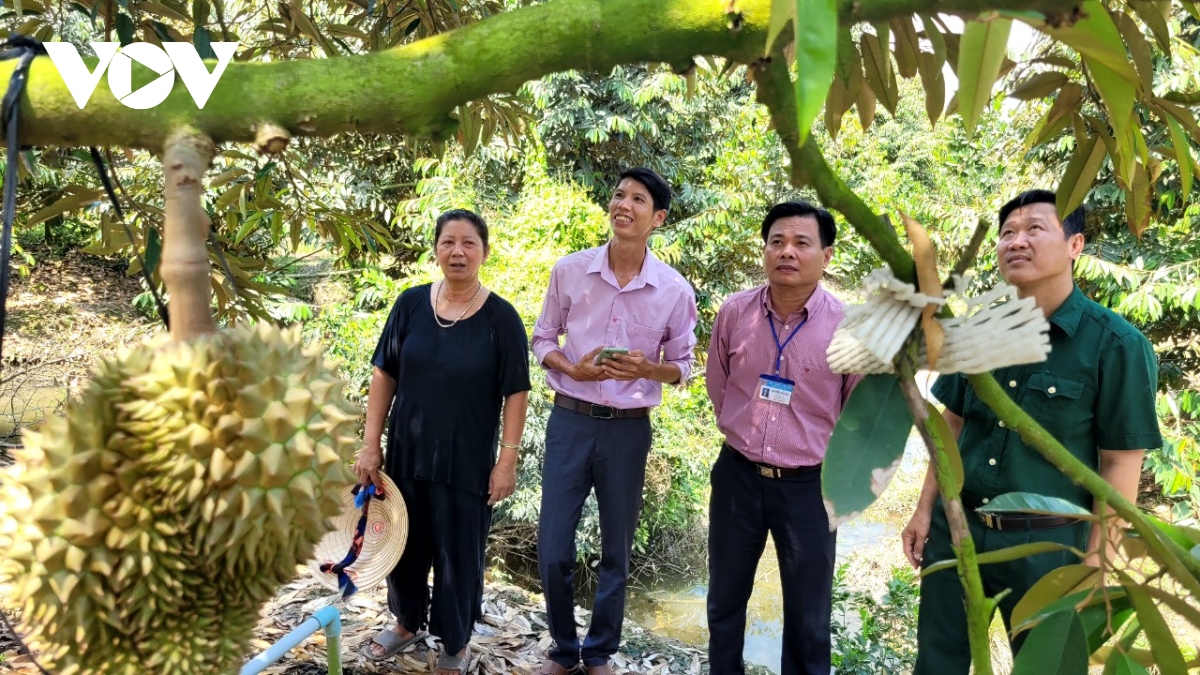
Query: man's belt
pixel 770 470
pixel 602 412
pixel 1024 521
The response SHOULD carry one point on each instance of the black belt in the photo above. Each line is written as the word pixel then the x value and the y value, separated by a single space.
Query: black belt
pixel 770 470
pixel 1024 521
pixel 602 412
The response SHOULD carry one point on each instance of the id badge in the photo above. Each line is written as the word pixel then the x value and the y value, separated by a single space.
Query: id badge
pixel 775 389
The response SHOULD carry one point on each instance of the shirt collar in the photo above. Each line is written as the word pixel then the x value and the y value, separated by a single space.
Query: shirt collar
pixel 815 302
pixel 648 276
pixel 1069 313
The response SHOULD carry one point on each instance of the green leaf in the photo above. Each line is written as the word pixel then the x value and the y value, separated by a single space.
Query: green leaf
pixel 1167 656
pixel 1051 588
pixel 848 59
pixel 979 57
pixel 1138 204
pixel 877 65
pixel 866 447
pixel 1056 647
pixel 1139 49
pixel 229 197
pixel 67 203
pixel 125 29
pixel 1040 85
pixel 907 46
pixel 782 11
pixel 1186 537
pixel 1097 620
pixel 1080 174
pixel 1119 663
pixel 153 253
pixel 934 83
pixel 1027 502
pixel 1002 555
pixel 200 12
pixel 1095 36
pixel 1183 155
pixel 203 42
pixel 1155 15
pixel 816 57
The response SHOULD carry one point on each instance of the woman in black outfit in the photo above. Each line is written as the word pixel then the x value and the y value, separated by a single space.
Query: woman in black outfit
pixel 452 367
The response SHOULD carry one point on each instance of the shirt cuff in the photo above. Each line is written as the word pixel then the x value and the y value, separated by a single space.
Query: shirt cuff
pixel 685 372
pixel 542 348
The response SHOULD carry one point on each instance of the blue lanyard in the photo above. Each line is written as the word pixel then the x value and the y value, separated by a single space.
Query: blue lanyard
pixel 779 354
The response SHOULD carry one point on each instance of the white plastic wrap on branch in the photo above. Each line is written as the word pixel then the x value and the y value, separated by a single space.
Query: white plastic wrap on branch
pixel 989 335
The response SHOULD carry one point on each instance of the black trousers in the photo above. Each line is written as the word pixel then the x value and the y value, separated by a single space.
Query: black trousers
pixel 447 530
pixel 744 508
pixel 583 453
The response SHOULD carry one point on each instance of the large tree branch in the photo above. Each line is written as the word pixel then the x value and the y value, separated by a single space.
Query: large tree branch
pixel 810 168
pixel 415 88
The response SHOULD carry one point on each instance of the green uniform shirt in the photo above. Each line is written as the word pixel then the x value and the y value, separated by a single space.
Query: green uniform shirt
pixel 1095 391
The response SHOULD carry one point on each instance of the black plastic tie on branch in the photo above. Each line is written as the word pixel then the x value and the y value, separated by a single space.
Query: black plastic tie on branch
pixel 163 313
pixel 25 49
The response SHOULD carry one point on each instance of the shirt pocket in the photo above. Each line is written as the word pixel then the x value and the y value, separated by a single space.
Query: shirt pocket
pixel 1057 402
pixel 644 338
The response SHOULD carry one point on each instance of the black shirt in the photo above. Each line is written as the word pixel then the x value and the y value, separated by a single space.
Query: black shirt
pixel 450 386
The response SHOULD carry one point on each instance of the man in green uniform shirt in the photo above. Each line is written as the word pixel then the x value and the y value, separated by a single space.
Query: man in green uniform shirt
pixel 1094 393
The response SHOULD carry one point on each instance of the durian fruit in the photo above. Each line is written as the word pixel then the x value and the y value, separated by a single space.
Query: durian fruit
pixel 143 532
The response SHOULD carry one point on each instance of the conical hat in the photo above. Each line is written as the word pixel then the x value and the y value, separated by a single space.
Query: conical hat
pixel 383 539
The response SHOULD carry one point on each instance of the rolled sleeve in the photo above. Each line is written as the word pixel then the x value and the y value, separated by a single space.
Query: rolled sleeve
pixel 1125 415
pixel 680 346
pixel 550 323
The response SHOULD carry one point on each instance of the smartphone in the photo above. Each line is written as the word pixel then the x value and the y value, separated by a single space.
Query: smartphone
pixel 608 352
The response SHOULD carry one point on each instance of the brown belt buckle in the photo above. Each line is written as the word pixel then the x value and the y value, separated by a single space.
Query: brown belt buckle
pixel 990 521
pixel 768 471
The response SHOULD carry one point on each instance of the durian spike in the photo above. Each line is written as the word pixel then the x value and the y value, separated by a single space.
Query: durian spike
pixel 184 267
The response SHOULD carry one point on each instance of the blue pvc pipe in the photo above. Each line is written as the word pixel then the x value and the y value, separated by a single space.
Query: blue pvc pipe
pixel 327 617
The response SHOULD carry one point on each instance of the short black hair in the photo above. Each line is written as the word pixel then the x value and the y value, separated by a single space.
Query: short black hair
pixel 826 227
pixel 656 185
pixel 461 214
pixel 1072 224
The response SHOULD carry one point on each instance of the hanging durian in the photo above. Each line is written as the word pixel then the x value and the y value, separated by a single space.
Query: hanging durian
pixel 143 532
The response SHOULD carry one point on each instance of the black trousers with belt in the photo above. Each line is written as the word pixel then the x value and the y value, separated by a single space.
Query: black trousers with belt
pixel 745 507
pixel 585 453
pixel 447 530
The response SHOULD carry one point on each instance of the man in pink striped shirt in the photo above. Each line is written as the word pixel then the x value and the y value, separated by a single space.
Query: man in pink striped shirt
pixel 617 296
pixel 776 402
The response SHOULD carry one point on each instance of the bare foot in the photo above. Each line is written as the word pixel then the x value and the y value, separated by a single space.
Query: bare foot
pixel 377 649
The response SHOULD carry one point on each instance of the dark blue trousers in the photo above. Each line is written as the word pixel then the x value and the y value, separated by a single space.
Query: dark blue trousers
pixel 744 507
pixel 584 453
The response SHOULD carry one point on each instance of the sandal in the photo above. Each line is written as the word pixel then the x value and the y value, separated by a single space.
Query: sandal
pixel 448 661
pixel 392 644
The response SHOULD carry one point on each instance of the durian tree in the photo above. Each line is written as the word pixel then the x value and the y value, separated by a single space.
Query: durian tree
pixel 804 56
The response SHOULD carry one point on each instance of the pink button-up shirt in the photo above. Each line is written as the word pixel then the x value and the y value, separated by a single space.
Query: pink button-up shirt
pixel 654 313
pixel 742 349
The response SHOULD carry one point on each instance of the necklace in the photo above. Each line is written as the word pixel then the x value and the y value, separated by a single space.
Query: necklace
pixel 460 316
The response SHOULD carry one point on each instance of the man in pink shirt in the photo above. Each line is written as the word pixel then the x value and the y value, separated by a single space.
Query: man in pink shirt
pixel 616 296
pixel 776 402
